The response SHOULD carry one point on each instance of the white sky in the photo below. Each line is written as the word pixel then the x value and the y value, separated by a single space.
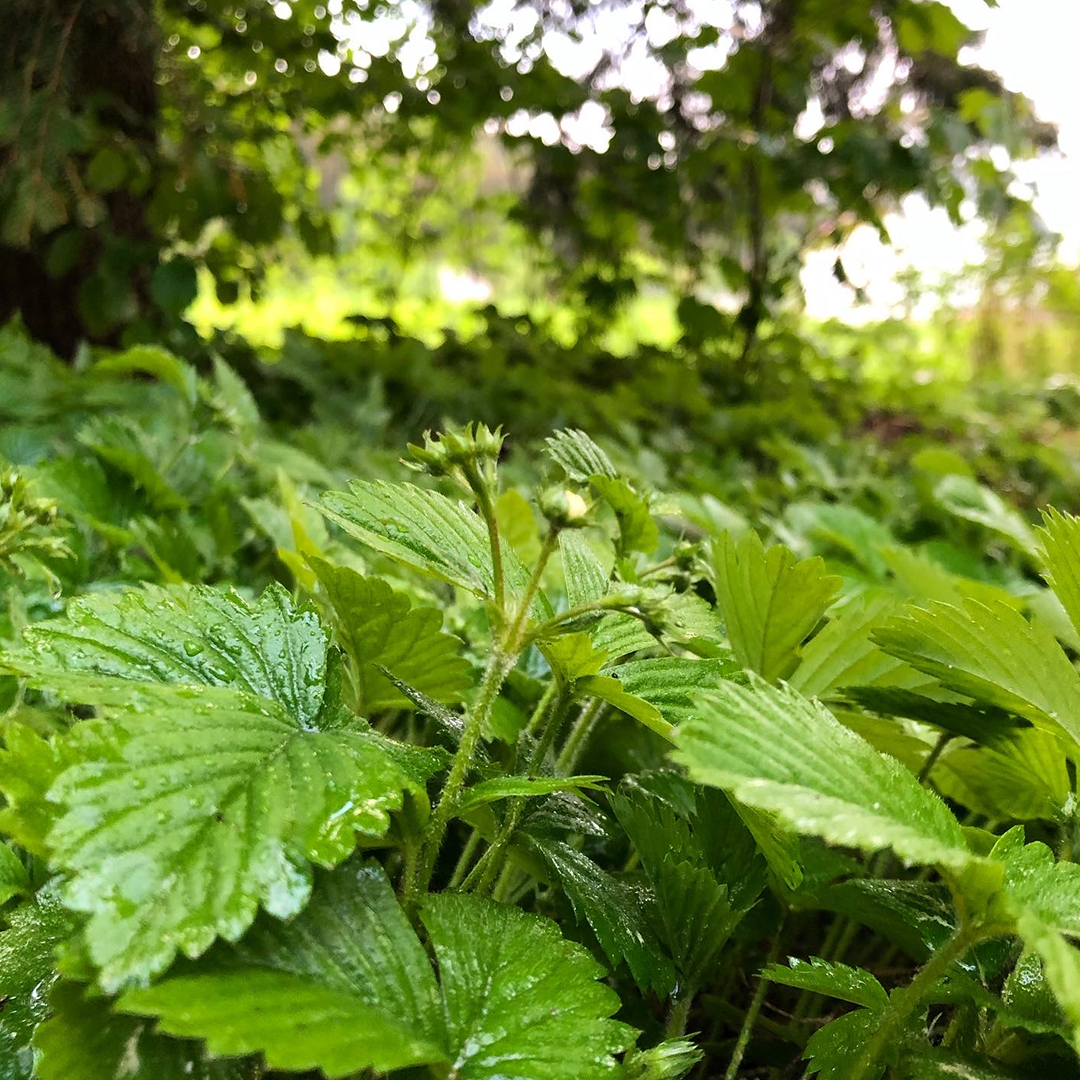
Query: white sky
pixel 1033 44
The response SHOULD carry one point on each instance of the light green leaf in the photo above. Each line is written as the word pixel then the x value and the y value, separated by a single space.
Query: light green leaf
pixel 993 654
pixel 156 361
pixel 378 628
pixel 586 581
pixel 972 501
pixel 579 456
pixel 769 600
pixel 1060 551
pixel 637 530
pixel 775 750
pixel 613 910
pixel 83 1039
pixel 669 1060
pixel 347 986
pixel 668 683
pixel 842 654
pixel 26 971
pixel 508 787
pixel 573 656
pixel 1061 966
pixel 836 980
pixel 427 531
pixel 611 690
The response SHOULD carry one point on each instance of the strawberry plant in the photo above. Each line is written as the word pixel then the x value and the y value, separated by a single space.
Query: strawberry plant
pixel 537 779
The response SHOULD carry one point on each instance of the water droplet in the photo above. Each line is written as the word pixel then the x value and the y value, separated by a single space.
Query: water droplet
pixel 193 648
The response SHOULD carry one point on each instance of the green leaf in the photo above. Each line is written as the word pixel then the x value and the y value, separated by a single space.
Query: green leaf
pixel 669 1060
pixel 573 656
pixel 614 911
pixel 1061 966
pixel 836 980
pixel 769 600
pixel 586 581
pixel 13 876
pixel 347 986
pixel 993 654
pixel 1060 551
pixel 378 628
pixel 833 1049
pixel 29 765
pixel 514 787
pixel 610 690
pixel 427 531
pixel 918 917
pixel 189 636
pixel 637 530
pixel 842 654
pixel 83 1039
pixel 668 683
pixel 779 752
pixel 972 501
pixel 579 456
pixel 156 361
pixel 982 725
pixel 246 752
pixel 941 1064
pixel 26 971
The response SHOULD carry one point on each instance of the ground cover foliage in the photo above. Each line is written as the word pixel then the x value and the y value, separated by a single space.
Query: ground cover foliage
pixel 335 747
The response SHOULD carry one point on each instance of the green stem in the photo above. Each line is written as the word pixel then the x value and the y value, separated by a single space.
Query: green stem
pixel 514 641
pixel 467 853
pixel 675 1027
pixel 487 511
pixel 579 736
pixel 750 1019
pixel 499 666
pixel 495 855
pixel 932 757
pixel 903 1003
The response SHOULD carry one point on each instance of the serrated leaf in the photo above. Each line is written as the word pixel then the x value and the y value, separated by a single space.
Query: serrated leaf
pixel 573 656
pixel 669 1060
pixel 993 654
pixel 1061 965
pixel 83 1039
pixel 26 971
pixel 770 601
pixel 833 1049
pixel 779 752
pixel 586 581
pixel 579 456
pixel 250 798
pixel 246 752
pixel 378 628
pixel 189 636
pixel 841 981
pixel 1060 551
pixel 347 986
pixel 427 531
pixel 513 787
pixel 842 654
pixel 668 683
pixel 982 725
pixel 614 911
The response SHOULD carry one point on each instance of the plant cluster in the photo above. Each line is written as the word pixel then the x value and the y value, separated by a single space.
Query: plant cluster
pixel 540 767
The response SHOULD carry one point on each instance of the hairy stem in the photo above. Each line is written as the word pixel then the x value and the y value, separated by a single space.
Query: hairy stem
pixel 498 667
pixel 579 736
pixel 902 1004
pixel 514 640
pixel 750 1019
pixel 495 855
